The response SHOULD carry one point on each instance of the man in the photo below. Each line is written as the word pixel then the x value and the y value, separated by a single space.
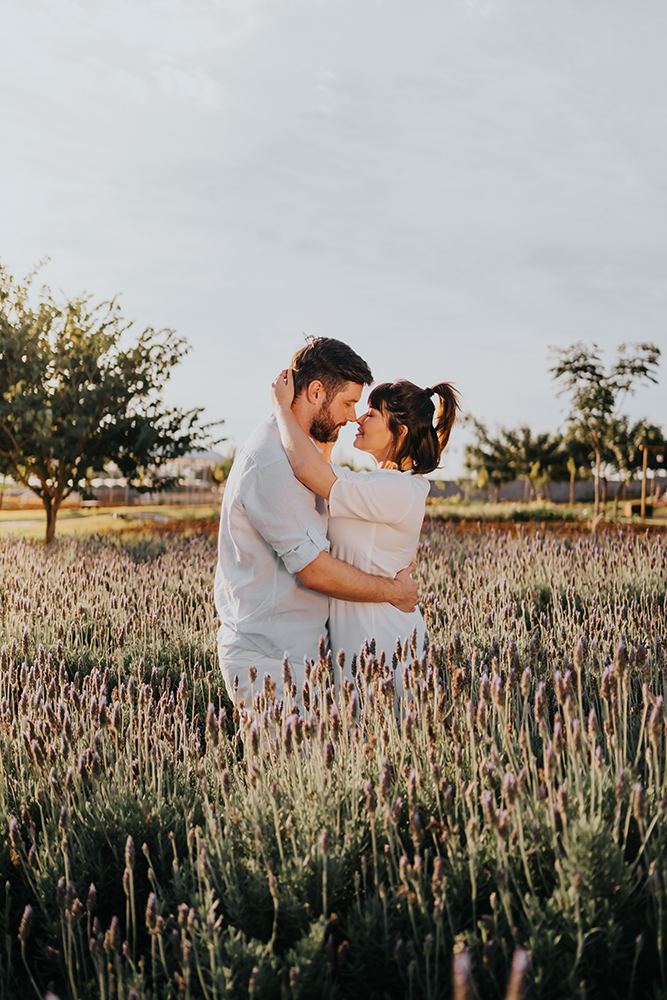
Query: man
pixel 275 572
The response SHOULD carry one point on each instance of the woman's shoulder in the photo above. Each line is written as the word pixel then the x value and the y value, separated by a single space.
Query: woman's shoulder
pixel 389 479
pixel 420 483
pixel 411 480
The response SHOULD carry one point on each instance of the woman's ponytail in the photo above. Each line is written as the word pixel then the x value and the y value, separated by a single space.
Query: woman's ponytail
pixel 409 411
pixel 448 406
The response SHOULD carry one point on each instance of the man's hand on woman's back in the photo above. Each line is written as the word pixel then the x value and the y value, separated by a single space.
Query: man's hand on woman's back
pixel 408 594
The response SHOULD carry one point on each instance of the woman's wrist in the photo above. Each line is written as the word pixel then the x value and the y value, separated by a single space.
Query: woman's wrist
pixel 282 408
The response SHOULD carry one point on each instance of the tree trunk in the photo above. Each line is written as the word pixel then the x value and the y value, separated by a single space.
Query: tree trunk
pixel 572 489
pixel 604 491
pixel 496 493
pixel 51 506
pixel 598 463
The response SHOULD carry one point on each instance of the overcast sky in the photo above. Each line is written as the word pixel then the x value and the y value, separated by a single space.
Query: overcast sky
pixel 450 186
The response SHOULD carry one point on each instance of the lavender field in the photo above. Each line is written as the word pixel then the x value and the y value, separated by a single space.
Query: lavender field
pixel 511 810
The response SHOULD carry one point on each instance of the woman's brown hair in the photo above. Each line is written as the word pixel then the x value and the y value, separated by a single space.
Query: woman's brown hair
pixel 407 406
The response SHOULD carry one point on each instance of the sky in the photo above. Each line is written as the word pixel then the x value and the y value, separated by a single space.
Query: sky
pixel 450 186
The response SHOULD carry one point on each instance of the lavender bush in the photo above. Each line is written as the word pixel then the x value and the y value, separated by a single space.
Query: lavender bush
pixel 485 815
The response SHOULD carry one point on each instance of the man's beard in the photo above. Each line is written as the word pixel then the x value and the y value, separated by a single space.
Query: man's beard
pixel 323 427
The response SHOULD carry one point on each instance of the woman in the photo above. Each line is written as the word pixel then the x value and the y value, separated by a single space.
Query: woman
pixel 375 517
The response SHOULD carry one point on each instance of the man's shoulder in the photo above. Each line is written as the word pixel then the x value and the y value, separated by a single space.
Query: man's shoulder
pixel 264 446
pixel 261 455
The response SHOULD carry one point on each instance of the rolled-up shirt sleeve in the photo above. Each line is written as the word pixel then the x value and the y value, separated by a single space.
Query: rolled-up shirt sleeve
pixel 283 511
pixel 380 496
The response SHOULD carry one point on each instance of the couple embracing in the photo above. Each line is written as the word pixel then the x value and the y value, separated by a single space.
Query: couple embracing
pixel 309 549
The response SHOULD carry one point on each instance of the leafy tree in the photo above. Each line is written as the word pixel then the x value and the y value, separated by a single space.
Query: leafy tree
pixel 513 454
pixel 627 445
pixel 73 398
pixel 488 459
pixel 596 393
pixel 537 460
pixel 578 456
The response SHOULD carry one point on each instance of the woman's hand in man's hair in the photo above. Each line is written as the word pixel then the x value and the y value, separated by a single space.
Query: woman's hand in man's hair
pixel 282 389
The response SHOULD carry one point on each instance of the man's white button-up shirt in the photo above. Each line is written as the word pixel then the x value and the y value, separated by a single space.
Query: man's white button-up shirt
pixel 271 527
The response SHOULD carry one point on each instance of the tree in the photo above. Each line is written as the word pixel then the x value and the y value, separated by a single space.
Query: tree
pixel 536 460
pixel 73 398
pixel 513 454
pixel 596 393
pixel 578 457
pixel 488 459
pixel 628 442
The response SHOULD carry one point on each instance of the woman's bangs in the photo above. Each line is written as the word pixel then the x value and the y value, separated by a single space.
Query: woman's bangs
pixel 379 396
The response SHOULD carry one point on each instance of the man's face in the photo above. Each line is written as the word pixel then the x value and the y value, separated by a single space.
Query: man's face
pixel 334 413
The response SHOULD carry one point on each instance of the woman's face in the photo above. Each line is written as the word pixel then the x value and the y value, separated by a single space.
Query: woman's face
pixel 374 435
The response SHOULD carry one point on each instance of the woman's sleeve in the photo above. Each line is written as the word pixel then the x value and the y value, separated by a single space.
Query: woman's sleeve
pixel 370 496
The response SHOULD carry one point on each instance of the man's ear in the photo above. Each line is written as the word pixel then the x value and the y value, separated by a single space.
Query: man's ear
pixel 315 392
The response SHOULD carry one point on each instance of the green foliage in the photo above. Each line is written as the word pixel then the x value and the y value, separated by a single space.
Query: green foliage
pixel 73 397
pixel 627 443
pixel 514 454
pixel 596 393
pixel 488 458
pixel 578 453
pixel 511 797
pixel 453 509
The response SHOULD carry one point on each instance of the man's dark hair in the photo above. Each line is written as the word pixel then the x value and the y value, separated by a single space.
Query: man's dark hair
pixel 331 362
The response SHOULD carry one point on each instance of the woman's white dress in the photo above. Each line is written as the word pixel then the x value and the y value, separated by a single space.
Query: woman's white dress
pixel 374 524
